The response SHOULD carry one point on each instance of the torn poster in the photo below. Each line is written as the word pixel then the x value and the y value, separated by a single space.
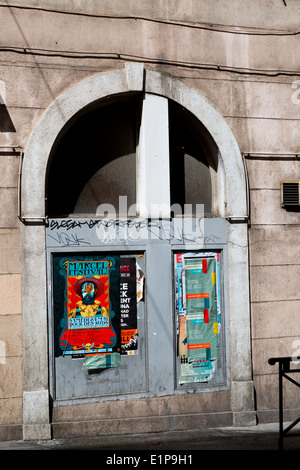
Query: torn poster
pixel 199 316
pixel 90 322
pixel 128 306
pixel 139 283
pixel 179 287
pixel 201 309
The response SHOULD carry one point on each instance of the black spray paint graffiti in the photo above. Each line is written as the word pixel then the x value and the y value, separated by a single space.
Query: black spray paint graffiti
pixel 110 231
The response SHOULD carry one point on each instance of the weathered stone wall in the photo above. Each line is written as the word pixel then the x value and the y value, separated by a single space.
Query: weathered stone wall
pixel 243 56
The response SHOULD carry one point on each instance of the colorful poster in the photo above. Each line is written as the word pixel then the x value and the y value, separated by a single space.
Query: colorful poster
pixel 128 306
pixel 179 288
pixel 87 308
pixel 198 315
pixel 201 309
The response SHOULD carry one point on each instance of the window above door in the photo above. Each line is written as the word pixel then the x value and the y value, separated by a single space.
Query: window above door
pixel 144 148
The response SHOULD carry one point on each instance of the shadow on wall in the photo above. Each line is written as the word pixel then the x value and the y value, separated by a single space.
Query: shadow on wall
pixel 6 124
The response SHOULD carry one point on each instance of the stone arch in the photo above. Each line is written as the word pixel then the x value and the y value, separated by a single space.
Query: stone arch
pixel 132 78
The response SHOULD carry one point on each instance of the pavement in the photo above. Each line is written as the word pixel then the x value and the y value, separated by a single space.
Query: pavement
pixel 262 437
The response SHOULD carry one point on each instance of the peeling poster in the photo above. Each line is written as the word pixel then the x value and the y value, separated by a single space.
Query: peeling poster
pixel 198 315
pixel 128 306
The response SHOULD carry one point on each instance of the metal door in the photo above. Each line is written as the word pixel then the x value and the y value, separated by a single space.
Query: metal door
pixel 70 377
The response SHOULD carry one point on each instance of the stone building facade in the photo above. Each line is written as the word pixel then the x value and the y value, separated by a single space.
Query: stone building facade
pixel 141 86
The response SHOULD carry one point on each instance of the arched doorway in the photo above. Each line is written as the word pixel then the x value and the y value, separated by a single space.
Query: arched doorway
pixel 167 99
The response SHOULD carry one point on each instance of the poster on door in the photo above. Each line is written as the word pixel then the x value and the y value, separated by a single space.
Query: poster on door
pixel 198 315
pixel 128 306
pixel 87 308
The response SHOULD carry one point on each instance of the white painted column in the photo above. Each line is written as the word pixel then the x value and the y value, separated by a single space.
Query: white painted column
pixel 153 175
pixel 36 415
pixel 242 389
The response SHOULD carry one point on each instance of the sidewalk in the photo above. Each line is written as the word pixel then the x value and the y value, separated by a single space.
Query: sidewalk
pixel 260 437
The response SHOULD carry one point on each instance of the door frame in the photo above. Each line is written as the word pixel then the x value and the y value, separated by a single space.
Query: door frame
pixel 232 182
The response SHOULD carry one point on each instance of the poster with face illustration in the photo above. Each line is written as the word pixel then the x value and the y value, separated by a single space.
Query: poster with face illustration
pixel 87 306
